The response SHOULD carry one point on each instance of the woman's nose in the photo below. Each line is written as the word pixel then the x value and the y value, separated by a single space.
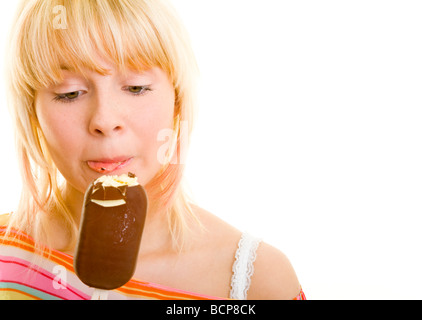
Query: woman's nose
pixel 106 117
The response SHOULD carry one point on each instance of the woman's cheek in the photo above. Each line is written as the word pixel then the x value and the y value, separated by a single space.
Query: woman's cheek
pixel 62 138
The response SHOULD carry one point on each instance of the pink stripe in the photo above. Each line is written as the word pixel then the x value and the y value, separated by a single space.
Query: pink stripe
pixel 19 271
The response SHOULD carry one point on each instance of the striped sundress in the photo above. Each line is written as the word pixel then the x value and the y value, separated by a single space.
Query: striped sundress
pixel 51 276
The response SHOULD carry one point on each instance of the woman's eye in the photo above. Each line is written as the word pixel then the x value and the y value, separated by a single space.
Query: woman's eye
pixel 72 95
pixel 137 90
pixel 68 97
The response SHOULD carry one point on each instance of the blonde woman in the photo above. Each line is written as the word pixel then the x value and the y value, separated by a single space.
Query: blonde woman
pixel 93 87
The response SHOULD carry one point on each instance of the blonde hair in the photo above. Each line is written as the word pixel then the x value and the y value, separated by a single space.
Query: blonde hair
pixel 133 34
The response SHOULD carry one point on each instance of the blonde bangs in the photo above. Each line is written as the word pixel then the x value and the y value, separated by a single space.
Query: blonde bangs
pixel 90 30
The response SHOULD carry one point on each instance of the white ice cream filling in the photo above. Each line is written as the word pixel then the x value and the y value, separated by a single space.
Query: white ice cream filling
pixel 109 203
pixel 118 181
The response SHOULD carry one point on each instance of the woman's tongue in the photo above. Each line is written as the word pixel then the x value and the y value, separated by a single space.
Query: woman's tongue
pixel 103 167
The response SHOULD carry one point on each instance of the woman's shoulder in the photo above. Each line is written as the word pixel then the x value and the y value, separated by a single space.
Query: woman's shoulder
pixel 273 277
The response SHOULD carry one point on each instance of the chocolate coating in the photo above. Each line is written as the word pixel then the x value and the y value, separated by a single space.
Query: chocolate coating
pixel 100 192
pixel 109 237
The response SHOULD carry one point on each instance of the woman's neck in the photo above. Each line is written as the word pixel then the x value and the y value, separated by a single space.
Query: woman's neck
pixel 74 202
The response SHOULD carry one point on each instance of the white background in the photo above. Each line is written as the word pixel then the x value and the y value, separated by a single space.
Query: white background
pixel 309 135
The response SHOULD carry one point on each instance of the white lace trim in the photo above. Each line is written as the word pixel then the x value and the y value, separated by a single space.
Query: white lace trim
pixel 243 266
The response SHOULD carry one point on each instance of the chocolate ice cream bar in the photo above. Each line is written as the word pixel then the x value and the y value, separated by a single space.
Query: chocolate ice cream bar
pixel 112 223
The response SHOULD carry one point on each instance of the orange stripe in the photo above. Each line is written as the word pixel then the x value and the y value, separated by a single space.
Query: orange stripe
pixel 158 294
pixel 23 241
pixel 29 240
pixel 19 234
pixel 53 256
pixel 134 286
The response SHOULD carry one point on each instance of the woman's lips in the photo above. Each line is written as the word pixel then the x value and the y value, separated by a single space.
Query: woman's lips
pixel 106 166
